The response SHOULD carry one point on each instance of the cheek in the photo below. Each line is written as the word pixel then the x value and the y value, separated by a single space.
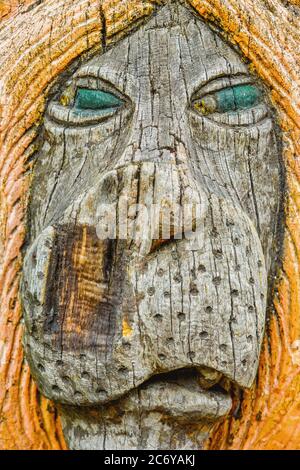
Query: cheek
pixel 70 292
pixel 208 305
pixel 242 164
pixel 69 163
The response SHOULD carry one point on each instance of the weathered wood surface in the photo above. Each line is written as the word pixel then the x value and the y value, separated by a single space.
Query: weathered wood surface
pixel 253 433
pixel 185 308
pixel 9 8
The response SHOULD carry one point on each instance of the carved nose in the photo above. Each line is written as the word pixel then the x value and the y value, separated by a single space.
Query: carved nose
pixel 146 201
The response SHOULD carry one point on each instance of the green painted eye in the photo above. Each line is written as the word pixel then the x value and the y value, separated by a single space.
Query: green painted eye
pixel 237 97
pixel 89 99
pixel 229 99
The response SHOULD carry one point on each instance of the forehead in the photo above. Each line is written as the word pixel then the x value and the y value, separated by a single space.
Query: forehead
pixel 173 43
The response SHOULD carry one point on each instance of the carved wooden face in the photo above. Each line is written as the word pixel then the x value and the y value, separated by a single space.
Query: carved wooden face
pixel 169 115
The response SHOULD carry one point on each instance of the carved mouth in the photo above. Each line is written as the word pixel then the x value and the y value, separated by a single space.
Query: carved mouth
pixel 205 377
pixel 188 394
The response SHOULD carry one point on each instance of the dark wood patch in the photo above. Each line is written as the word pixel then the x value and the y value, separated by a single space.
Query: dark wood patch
pixel 82 297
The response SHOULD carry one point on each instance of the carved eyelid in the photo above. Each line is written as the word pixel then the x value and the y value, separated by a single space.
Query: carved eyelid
pixel 231 100
pixel 218 83
pixel 68 114
pixel 243 119
pixel 109 75
pixel 94 83
pixel 65 115
pixel 99 83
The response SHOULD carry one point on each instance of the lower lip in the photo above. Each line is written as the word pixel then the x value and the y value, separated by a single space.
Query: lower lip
pixel 184 403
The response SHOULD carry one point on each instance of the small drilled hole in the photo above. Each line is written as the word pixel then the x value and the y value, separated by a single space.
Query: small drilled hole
pixel 158 317
pixel 217 280
pixel 33 257
pixel 66 380
pixel 218 253
pixel 177 278
pixel 229 223
pixel 194 290
pixel 151 291
pixel 203 334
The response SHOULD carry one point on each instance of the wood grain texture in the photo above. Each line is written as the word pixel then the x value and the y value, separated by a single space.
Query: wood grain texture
pixel 156 149
pixel 39 45
pixel 269 416
pixel 9 8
